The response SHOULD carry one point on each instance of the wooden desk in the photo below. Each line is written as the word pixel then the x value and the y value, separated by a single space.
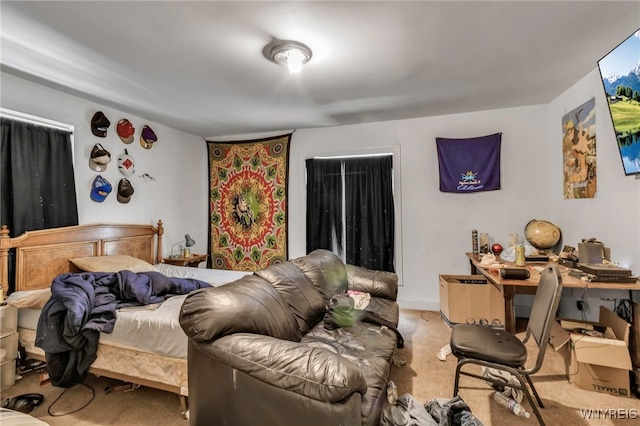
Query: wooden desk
pixel 193 260
pixel 529 286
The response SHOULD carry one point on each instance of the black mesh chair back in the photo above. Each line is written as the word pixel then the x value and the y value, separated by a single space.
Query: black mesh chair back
pixel 500 350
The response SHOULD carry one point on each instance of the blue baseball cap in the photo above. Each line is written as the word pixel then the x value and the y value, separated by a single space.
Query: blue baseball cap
pixel 100 189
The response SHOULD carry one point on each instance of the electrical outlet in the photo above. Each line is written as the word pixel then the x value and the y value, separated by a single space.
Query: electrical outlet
pixel 580 304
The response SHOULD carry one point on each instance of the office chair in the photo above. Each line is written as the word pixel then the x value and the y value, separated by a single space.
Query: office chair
pixel 501 350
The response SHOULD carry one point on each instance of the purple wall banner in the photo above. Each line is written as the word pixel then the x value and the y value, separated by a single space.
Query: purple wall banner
pixel 469 165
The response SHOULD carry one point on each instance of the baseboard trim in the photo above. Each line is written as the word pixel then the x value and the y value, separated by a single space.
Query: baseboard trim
pixel 522 311
pixel 419 304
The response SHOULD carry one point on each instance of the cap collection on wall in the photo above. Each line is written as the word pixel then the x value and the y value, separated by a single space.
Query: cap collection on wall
pixel 100 157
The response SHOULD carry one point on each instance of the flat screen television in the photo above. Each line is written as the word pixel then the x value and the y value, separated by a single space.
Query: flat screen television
pixel 620 73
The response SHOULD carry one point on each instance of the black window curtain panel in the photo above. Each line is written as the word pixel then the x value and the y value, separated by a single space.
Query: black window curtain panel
pixel 368 206
pixel 324 204
pixel 37 180
pixel 370 212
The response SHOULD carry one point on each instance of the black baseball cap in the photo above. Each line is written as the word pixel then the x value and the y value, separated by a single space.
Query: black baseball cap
pixel 125 191
pixel 99 124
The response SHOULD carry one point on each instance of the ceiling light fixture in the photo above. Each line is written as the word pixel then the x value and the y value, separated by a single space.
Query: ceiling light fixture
pixel 289 53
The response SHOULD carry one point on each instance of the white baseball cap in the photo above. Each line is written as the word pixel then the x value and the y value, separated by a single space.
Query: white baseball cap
pixel 126 164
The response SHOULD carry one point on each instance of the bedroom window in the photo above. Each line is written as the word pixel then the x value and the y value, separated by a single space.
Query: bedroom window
pixel 37 182
pixel 350 209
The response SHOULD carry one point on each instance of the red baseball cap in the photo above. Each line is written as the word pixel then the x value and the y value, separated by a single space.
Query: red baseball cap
pixel 125 130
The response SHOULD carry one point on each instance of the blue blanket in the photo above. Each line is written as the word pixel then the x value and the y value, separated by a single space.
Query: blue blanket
pixel 84 304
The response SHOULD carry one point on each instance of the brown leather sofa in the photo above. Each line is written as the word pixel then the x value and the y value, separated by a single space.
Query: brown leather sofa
pixel 259 353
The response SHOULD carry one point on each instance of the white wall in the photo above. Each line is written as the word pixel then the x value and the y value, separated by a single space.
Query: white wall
pixel 436 227
pixel 178 162
pixel 613 217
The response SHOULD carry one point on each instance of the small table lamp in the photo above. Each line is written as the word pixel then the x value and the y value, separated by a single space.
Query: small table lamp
pixel 188 242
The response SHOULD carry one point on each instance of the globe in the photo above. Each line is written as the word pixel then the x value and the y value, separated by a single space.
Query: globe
pixel 542 234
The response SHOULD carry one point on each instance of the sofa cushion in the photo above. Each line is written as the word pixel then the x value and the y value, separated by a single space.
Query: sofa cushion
pixel 369 347
pixel 387 309
pixel 377 283
pixel 247 305
pixel 296 288
pixel 326 270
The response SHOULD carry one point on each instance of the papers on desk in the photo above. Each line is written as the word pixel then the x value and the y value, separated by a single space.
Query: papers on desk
pixel 490 261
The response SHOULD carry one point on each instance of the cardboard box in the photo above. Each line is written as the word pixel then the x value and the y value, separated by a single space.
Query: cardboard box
pixel 468 298
pixel 599 364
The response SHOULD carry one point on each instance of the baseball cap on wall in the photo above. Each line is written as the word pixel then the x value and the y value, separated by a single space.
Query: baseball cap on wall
pixel 125 191
pixel 99 158
pixel 125 130
pixel 126 164
pixel 100 189
pixel 147 137
pixel 99 124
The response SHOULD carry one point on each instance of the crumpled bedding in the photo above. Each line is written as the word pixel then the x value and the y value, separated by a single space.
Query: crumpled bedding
pixel 84 304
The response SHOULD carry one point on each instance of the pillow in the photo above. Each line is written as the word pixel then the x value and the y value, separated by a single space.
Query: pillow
pixel 35 299
pixel 115 263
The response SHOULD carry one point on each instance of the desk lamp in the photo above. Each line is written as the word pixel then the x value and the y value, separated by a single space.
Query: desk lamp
pixel 188 242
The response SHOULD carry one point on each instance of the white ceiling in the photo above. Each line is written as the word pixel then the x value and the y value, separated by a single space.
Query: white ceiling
pixel 198 66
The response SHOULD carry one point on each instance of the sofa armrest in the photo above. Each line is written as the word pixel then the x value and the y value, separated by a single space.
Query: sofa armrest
pixel 313 372
pixel 377 283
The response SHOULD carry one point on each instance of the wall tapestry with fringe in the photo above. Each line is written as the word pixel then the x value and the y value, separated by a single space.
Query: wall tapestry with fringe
pixel 248 203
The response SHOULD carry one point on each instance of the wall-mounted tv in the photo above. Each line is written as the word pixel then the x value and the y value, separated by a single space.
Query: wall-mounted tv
pixel 620 72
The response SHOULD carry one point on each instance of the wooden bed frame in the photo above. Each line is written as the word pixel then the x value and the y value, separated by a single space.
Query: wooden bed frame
pixel 42 255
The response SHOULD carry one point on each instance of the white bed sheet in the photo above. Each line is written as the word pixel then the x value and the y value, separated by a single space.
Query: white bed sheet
pixel 153 330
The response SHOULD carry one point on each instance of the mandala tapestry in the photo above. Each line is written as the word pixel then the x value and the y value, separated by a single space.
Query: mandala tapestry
pixel 248 203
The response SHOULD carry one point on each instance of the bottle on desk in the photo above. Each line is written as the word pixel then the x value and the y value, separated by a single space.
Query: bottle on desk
pixel 520 254
pixel 513 240
pixel 474 241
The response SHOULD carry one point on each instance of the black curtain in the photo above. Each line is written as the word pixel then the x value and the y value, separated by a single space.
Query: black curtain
pixel 369 212
pixel 36 177
pixel 324 204
pixel 368 205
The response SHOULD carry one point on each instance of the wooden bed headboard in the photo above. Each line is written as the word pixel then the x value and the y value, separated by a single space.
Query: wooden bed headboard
pixel 44 254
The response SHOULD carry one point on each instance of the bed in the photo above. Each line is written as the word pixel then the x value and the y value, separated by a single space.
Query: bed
pixel 147 346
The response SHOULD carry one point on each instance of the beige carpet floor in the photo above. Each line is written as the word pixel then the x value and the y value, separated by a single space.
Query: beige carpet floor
pixel 424 376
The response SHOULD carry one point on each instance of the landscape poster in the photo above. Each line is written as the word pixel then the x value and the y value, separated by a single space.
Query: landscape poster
pixel 620 72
